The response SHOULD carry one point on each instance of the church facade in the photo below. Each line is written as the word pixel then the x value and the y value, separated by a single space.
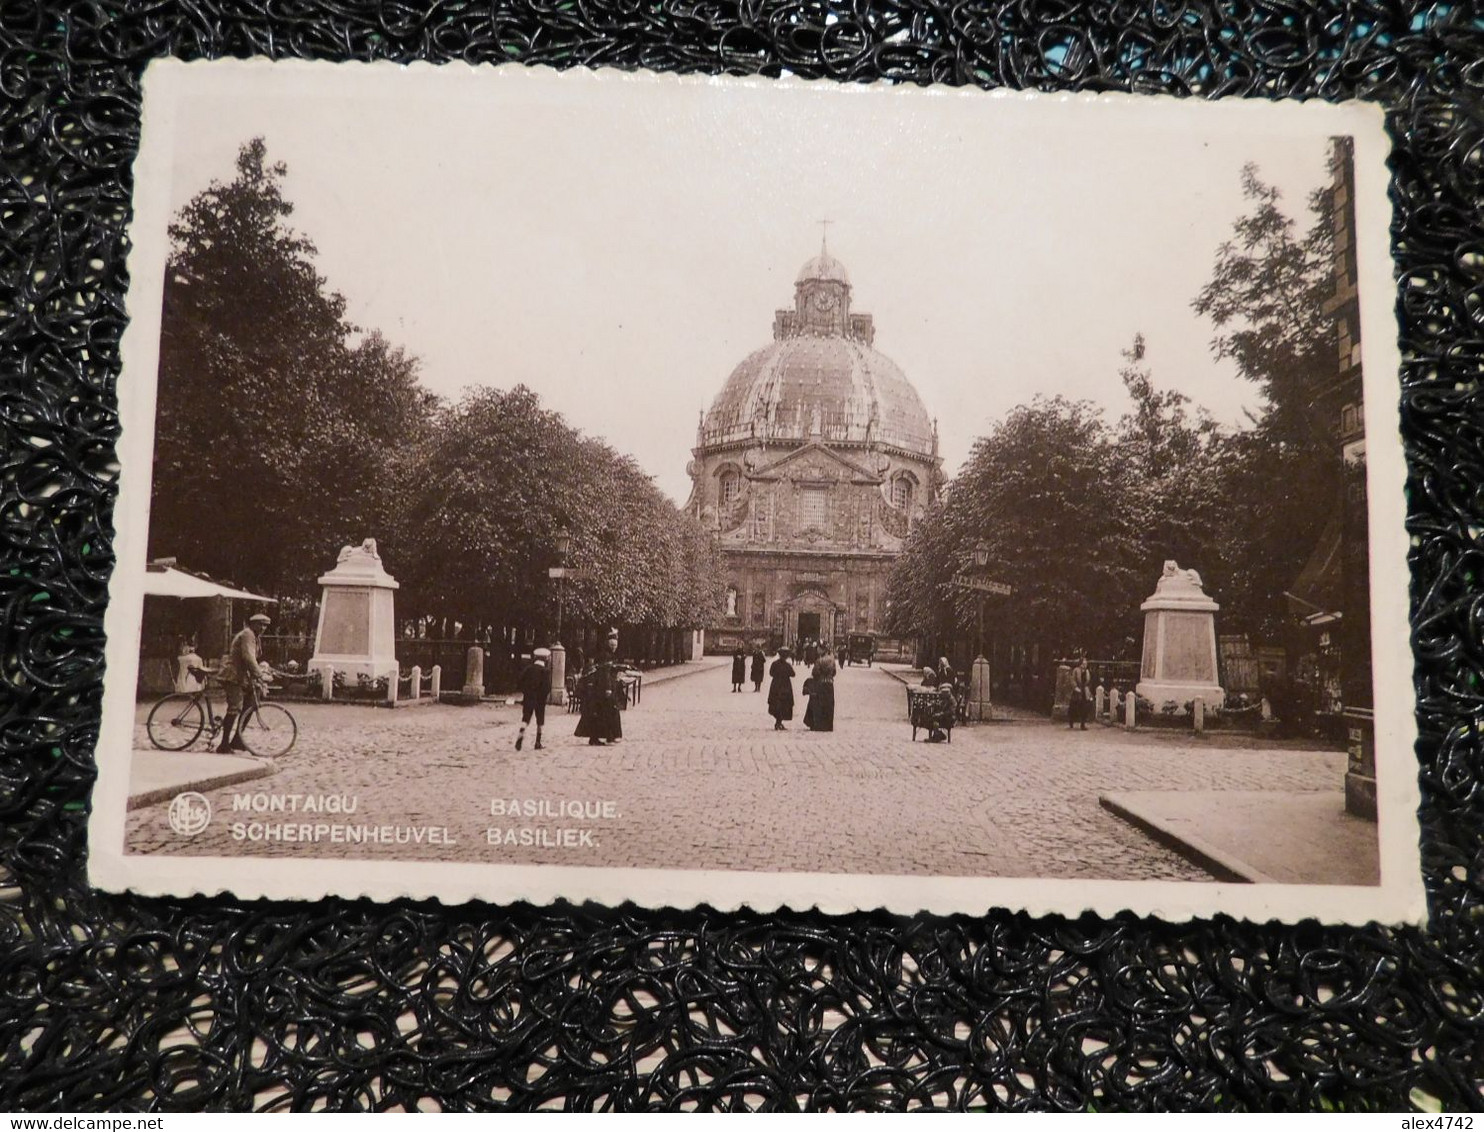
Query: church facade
pixel 810 469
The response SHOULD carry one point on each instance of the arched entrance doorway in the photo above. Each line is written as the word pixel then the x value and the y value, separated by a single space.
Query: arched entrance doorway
pixel 810 615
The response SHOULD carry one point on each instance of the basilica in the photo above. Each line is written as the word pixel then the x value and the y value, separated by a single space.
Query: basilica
pixel 810 468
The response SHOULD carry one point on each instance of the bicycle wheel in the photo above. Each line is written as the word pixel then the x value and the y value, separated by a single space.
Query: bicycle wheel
pixel 268 730
pixel 176 721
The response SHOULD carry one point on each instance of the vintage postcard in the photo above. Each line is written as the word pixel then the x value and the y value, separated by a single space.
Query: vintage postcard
pixel 621 487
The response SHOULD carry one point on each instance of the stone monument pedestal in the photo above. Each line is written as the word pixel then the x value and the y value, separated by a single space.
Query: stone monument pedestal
pixel 355 634
pixel 1179 660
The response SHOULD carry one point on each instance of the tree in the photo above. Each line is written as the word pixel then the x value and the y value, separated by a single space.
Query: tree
pixel 1078 516
pixel 1043 491
pixel 496 479
pixel 1172 452
pixel 1266 298
pixel 278 422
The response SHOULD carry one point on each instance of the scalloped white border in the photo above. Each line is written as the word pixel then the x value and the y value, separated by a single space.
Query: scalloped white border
pixel 1398 899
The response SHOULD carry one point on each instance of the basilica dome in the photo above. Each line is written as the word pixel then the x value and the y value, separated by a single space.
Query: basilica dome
pixel 820 377
pixel 809 471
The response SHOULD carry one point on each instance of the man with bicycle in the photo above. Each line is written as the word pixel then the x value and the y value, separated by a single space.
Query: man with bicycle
pixel 238 676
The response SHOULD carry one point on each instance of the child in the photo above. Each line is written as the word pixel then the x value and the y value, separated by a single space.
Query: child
pixel 535 689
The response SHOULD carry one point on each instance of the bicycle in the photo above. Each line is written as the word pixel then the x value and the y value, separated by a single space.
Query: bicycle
pixel 176 721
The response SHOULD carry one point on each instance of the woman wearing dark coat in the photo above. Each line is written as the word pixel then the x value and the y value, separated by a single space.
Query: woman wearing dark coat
pixel 759 662
pixel 781 690
pixel 602 695
pixel 739 669
pixel 820 714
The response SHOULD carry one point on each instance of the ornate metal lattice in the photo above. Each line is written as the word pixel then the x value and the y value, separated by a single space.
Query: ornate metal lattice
pixel 123 1002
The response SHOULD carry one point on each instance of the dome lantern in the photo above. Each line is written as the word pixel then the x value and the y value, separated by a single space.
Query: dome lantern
pixel 821 376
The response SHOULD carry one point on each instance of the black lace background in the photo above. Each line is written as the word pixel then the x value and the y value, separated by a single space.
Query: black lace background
pixel 352 1004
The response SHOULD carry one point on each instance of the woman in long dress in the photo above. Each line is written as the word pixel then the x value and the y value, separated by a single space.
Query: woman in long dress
pixel 820 715
pixel 602 693
pixel 781 690
pixel 759 662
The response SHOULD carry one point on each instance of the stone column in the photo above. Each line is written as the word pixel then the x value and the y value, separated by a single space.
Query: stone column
pixel 558 675
pixel 474 673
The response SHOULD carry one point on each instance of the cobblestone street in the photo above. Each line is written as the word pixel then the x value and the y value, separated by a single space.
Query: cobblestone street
pixel 702 781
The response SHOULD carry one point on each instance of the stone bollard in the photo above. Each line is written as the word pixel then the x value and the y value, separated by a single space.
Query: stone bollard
pixel 1130 712
pixel 393 687
pixel 327 677
pixel 558 694
pixel 1198 714
pixel 436 688
pixel 1100 702
pixel 415 687
pixel 1061 698
pixel 1267 711
pixel 474 673
pixel 980 708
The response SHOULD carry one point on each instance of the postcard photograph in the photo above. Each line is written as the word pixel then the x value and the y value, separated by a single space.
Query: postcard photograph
pixel 617 487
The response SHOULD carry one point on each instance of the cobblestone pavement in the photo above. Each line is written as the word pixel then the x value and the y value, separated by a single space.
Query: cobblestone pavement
pixel 702 781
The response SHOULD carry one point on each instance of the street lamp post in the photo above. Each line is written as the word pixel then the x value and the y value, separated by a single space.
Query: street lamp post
pixel 979 581
pixel 562 541
pixel 979 686
pixel 981 562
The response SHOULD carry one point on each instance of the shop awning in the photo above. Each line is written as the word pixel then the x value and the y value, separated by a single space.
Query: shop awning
pixel 168 581
pixel 1315 595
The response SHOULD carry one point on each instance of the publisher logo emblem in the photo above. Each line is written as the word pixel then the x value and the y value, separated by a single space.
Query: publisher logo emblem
pixel 190 813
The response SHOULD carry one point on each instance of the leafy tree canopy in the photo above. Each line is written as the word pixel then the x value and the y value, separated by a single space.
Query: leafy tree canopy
pixel 498 478
pixel 285 432
pixel 1078 515
pixel 280 424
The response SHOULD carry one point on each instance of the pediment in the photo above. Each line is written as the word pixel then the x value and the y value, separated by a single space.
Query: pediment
pixel 815 461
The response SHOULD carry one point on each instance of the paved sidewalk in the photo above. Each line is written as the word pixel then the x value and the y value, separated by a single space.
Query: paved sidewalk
pixel 157 776
pixel 1259 836
pixel 689 668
